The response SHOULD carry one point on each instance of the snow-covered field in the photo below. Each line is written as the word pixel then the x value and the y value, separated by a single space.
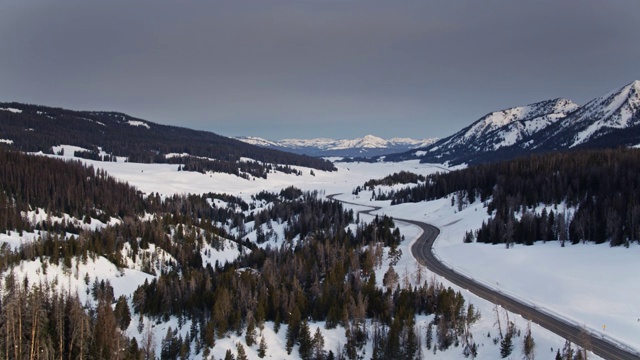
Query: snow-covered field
pixel 590 285
pixel 593 286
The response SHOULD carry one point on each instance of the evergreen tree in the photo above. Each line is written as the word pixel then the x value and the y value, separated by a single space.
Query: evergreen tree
pixel 350 350
pixel 528 345
pixel 378 342
pixel 242 355
pixel 304 339
pixel 506 345
pixel 229 355
pixel 411 345
pixel 122 313
pixel 429 335
pixel 276 323
pixel 262 348
pixel 209 334
pixel 250 336
pixel 169 343
pixel 293 329
pixel 318 345
pixel 185 349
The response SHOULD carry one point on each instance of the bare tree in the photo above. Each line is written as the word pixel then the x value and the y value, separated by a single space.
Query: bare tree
pixel 390 278
pixel 419 275
pixel 148 343
pixel 585 341
pixel 497 312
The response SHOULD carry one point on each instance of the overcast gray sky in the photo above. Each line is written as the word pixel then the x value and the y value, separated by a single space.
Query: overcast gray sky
pixel 315 68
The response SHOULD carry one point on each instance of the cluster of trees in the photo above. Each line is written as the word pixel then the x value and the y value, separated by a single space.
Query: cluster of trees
pixel 146 144
pixel 402 177
pixel 328 275
pixel 59 188
pixel 29 182
pixel 37 322
pixel 401 339
pixel 91 155
pixel 244 169
pixel 571 352
pixel 599 187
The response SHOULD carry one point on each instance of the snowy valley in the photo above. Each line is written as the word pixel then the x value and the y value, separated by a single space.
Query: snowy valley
pixel 509 269
pixel 216 248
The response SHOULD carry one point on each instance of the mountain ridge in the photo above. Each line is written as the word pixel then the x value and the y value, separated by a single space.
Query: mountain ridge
pixel 33 128
pixel 611 120
pixel 368 145
pixel 619 109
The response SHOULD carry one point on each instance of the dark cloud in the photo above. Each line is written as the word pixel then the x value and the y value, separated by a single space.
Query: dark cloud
pixel 306 68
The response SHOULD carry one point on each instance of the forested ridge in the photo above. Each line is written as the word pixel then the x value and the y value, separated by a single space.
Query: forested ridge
pixel 39 128
pixel 599 189
pixel 322 269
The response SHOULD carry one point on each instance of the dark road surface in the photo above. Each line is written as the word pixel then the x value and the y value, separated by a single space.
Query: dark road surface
pixel 422 251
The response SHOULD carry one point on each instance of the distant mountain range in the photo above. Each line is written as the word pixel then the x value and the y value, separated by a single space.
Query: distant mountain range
pixel 366 146
pixel 609 121
pixel 110 136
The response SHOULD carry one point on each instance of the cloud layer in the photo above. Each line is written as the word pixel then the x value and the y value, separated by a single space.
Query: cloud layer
pixel 309 68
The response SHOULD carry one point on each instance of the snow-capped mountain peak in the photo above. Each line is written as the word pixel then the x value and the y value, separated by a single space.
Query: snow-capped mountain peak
pixel 368 145
pixel 612 120
pixel 618 106
pixel 366 142
pixel 619 109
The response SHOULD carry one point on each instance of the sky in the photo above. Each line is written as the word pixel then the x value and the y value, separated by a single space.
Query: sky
pixel 315 68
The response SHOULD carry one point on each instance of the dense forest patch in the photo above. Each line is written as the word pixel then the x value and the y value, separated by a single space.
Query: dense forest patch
pixel 598 188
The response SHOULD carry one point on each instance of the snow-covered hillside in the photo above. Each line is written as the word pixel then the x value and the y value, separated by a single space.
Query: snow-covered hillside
pixel 453 223
pixel 504 128
pixel 567 296
pixel 451 248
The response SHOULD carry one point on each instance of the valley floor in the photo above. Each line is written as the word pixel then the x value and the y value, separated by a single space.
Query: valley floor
pixel 564 286
pixel 592 285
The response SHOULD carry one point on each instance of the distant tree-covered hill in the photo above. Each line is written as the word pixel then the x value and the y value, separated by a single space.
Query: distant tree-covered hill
pixel 35 128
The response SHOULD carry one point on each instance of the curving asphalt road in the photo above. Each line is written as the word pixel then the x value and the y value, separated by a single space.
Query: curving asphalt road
pixel 422 250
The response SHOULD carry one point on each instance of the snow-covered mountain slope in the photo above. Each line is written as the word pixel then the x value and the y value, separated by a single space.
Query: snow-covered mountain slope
pixel 506 127
pixel 253 140
pixel 368 145
pixel 616 112
pixel 497 130
pixel 609 121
